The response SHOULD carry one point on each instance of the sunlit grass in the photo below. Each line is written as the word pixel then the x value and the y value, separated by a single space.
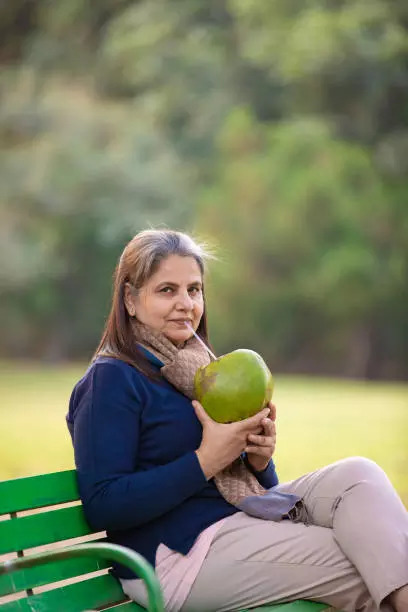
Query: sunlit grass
pixel 319 421
pixel 33 403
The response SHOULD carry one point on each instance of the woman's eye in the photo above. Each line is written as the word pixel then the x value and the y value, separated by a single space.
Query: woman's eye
pixel 193 290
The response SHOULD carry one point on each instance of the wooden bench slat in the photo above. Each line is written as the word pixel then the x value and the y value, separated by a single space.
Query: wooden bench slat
pixel 32 577
pixel 37 491
pixel 98 592
pixel 38 529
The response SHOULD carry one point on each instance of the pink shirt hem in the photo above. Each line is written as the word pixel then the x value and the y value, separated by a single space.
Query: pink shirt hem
pixel 177 572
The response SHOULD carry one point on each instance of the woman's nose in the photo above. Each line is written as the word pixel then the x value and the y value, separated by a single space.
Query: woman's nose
pixel 185 301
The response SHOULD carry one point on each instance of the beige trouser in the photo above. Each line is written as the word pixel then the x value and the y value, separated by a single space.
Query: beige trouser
pixel 352 555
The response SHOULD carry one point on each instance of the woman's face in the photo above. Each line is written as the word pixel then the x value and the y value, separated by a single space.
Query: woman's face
pixel 171 296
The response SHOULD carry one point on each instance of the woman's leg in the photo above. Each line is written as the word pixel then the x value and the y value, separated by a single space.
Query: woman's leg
pixel 355 498
pixel 253 561
pixel 353 556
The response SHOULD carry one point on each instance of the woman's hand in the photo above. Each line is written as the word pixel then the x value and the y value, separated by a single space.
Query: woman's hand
pixel 261 446
pixel 222 443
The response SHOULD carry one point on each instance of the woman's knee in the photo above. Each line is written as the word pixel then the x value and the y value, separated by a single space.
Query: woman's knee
pixel 360 465
pixel 360 468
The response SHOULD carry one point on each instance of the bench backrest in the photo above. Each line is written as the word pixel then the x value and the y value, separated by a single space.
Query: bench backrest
pixel 45 511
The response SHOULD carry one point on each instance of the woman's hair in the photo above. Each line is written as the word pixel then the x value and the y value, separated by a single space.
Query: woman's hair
pixel 140 259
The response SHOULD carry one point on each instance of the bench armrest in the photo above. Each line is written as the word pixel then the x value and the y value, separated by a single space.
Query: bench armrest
pixel 120 554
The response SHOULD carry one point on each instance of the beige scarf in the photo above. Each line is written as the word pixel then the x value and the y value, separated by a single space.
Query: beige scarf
pixel 236 481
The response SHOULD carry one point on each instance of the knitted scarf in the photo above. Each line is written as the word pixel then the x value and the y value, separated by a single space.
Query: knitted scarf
pixel 236 483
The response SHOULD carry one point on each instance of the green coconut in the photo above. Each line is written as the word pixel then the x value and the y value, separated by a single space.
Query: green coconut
pixel 235 386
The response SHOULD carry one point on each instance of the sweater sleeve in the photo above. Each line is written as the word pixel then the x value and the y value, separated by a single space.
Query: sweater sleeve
pixel 268 477
pixel 106 442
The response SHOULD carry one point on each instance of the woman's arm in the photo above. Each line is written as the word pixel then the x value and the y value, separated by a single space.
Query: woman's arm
pixel 106 441
pixel 268 477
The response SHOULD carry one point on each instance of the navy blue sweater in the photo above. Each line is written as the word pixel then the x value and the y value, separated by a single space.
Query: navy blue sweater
pixel 138 475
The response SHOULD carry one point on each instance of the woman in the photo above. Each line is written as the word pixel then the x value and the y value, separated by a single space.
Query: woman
pixel 148 460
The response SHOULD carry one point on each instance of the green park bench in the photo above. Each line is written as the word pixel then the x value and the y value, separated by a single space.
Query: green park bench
pixel 42 581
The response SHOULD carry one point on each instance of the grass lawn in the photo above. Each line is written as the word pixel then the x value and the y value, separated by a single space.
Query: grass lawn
pixel 319 421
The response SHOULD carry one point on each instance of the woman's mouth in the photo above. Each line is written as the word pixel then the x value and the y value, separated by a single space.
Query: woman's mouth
pixel 181 322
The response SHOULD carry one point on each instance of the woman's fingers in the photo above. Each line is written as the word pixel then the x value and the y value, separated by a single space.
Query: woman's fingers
pixel 253 422
pixel 262 451
pixel 202 415
pixel 272 414
pixel 263 444
pixel 269 426
pixel 261 440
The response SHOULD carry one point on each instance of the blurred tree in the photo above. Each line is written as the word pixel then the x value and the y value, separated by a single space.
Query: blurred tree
pixel 346 58
pixel 318 275
pixel 121 113
pixel 78 182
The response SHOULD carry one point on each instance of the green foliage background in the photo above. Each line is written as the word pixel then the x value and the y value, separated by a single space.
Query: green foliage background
pixel 277 131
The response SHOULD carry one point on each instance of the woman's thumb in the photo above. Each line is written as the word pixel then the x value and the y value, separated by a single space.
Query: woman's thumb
pixel 200 412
